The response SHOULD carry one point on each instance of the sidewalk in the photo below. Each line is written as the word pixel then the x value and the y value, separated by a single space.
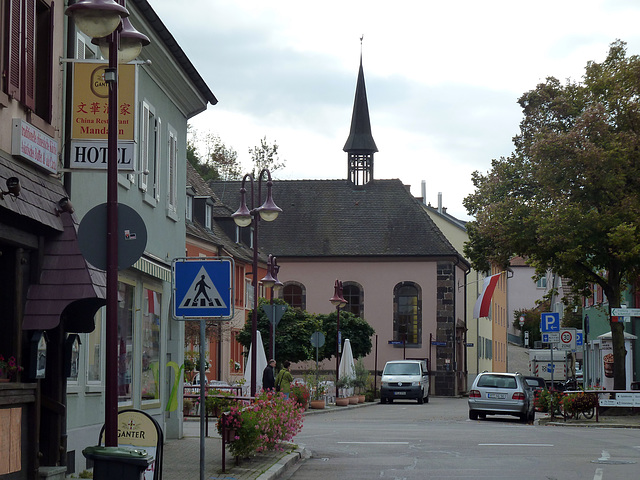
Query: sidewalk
pixel 609 420
pixel 182 457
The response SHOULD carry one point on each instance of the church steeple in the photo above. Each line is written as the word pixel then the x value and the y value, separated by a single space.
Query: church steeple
pixel 360 146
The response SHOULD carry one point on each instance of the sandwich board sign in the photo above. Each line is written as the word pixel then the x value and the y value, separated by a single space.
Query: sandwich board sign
pixel 202 288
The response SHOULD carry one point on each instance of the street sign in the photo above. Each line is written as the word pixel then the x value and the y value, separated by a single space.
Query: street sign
pixel 553 337
pixel 468 344
pixel 395 342
pixel 625 312
pixel 550 322
pixel 579 339
pixel 274 313
pixel 439 344
pixel 203 288
pixel 521 320
pixel 317 339
pixel 567 339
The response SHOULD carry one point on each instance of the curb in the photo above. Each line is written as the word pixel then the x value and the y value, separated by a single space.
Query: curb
pixel 285 463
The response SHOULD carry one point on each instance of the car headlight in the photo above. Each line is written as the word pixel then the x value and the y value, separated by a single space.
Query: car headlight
pixel 415 384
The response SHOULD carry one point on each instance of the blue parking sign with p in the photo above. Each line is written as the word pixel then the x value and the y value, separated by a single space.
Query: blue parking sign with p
pixel 203 288
pixel 550 322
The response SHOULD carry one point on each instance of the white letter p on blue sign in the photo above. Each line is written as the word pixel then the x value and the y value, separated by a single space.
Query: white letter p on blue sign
pixel 550 322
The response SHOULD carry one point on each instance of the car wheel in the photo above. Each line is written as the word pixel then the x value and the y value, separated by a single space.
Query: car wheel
pixel 420 399
pixel 524 417
pixel 383 400
pixel 473 415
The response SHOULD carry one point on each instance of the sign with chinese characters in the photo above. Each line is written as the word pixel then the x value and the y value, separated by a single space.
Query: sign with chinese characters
pixel 34 145
pixel 90 117
pixel 91 100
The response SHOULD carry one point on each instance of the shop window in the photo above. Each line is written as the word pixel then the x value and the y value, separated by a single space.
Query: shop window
pixel 150 371
pixel 93 350
pixel 126 310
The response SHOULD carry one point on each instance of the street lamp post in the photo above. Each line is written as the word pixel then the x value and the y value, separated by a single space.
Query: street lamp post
pixel 339 302
pixel 103 21
pixel 272 277
pixel 244 217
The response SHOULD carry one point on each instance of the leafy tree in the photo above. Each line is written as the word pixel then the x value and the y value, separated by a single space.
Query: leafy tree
pixel 293 334
pixel 217 162
pixel 567 197
pixel 265 156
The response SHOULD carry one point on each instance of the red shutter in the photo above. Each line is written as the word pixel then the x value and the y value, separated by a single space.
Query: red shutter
pixel 14 49
pixel 29 64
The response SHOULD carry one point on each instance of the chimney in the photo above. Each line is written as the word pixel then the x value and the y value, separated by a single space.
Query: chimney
pixel 424 191
pixel 439 202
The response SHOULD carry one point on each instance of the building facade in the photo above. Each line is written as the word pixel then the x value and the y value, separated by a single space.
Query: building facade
pixel 158 94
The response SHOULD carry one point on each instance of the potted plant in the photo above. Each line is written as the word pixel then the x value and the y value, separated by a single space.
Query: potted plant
pixel 9 368
pixel 361 379
pixel 187 406
pixel 318 390
pixel 218 402
pixel 343 384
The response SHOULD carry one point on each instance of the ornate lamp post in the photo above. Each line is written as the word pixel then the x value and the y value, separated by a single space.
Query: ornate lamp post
pixel 339 302
pixel 244 217
pixel 103 21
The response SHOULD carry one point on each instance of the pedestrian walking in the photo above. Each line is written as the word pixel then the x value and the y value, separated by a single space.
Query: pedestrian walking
pixel 284 379
pixel 268 376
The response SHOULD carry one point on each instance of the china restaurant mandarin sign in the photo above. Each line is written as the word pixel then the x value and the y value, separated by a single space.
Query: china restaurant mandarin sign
pixel 90 116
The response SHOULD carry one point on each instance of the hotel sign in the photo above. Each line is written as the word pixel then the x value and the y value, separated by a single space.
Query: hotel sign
pixel 90 116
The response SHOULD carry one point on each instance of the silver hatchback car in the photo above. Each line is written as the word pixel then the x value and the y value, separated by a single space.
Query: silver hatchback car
pixel 495 393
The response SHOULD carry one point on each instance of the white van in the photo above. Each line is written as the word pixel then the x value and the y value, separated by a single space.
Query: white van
pixel 405 379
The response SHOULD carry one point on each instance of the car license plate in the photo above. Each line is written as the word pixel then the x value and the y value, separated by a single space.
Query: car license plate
pixel 496 395
pixel 399 393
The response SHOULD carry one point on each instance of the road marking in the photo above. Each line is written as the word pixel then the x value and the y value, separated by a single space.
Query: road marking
pixel 598 474
pixel 605 456
pixel 515 445
pixel 376 443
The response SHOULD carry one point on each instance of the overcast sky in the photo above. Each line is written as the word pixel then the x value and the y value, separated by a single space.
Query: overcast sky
pixel 442 78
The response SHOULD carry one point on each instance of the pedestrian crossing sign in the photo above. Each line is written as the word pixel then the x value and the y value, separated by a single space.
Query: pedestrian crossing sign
pixel 203 288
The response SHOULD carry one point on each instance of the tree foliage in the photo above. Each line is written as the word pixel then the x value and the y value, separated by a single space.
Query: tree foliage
pixel 265 156
pixel 293 334
pixel 567 197
pixel 212 158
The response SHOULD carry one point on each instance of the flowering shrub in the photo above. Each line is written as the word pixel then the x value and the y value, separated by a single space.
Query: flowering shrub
pixel 9 368
pixel 300 393
pixel 579 402
pixel 546 400
pixel 263 425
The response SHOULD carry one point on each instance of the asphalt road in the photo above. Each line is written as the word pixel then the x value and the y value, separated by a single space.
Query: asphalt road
pixel 406 441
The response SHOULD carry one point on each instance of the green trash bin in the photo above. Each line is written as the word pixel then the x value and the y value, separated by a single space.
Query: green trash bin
pixel 125 463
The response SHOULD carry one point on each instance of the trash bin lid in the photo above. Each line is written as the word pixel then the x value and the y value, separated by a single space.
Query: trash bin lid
pixel 124 453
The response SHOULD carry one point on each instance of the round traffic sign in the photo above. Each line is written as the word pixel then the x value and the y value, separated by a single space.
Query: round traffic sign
pixel 521 320
pixel 566 337
pixel 317 339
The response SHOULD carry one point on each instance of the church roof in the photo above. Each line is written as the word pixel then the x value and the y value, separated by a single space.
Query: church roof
pixel 331 218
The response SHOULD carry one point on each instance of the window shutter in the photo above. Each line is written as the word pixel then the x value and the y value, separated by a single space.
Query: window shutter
pixel 29 63
pixel 15 34
pixel 144 147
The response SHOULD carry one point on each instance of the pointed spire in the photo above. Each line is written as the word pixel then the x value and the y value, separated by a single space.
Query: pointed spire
pixel 360 146
pixel 360 138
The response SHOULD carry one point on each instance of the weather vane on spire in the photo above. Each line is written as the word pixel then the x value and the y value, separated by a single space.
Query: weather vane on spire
pixel 361 37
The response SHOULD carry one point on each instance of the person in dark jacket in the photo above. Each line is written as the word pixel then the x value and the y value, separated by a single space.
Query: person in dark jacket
pixel 268 376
